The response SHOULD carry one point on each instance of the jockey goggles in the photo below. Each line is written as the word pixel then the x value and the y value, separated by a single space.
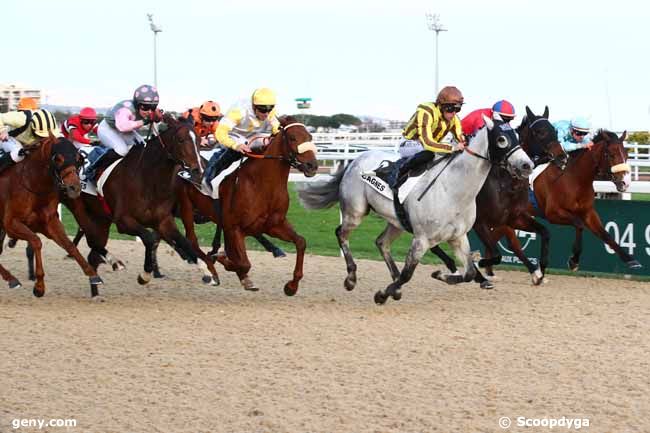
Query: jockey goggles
pixel 205 118
pixel 88 121
pixel 451 108
pixel 580 133
pixel 147 107
pixel 264 108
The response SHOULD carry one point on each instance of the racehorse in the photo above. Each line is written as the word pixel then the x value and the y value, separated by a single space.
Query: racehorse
pixel 441 208
pixel 29 193
pixel 255 200
pixel 567 197
pixel 139 195
pixel 503 201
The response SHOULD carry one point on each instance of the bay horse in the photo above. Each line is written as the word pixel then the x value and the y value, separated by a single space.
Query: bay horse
pixel 503 202
pixel 255 199
pixel 567 197
pixel 139 195
pixel 29 193
pixel 442 208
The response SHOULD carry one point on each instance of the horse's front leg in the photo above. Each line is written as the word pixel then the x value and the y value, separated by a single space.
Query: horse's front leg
pixel 419 246
pixel 19 230
pixel 210 275
pixel 54 230
pixel 527 223
pixel 235 258
pixel 593 223
pixel 285 232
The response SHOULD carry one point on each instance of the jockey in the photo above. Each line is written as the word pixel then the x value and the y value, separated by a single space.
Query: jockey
pixel 24 130
pixel 77 127
pixel 474 120
pixel 206 120
pixel 249 120
pixel 574 134
pixel 427 130
pixel 118 130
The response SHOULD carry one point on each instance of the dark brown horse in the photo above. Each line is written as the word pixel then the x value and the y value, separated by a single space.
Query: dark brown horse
pixel 29 193
pixel 503 202
pixel 255 199
pixel 139 195
pixel 567 197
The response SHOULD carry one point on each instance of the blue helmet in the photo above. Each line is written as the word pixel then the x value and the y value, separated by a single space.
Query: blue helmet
pixel 581 124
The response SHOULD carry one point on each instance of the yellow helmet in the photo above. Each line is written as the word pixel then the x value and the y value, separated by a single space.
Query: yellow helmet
pixel 43 122
pixel 263 96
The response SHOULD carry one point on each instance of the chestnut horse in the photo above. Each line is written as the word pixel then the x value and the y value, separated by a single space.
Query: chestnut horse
pixel 255 199
pixel 29 193
pixel 567 197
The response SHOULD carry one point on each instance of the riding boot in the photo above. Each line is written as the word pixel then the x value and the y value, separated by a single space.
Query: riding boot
pixel 6 161
pixel 412 162
pixel 106 159
pixel 219 162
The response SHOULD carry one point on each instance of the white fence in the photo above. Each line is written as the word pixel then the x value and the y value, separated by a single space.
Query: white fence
pixel 342 148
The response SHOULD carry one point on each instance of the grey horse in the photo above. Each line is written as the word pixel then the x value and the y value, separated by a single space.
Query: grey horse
pixel 441 206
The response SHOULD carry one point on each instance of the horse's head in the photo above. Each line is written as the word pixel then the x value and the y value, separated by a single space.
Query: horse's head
pixel 504 148
pixel 65 164
pixel 180 142
pixel 538 138
pixel 612 158
pixel 298 147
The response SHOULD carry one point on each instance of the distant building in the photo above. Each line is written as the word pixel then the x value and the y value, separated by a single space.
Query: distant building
pixel 10 94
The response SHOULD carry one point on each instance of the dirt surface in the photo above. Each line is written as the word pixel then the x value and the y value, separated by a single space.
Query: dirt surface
pixel 179 356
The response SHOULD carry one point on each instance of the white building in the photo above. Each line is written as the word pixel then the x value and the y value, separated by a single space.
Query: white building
pixel 10 94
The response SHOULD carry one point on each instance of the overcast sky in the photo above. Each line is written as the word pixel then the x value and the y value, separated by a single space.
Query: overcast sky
pixel 360 57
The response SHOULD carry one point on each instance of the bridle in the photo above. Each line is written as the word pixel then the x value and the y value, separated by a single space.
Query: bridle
pixel 292 158
pixel 58 175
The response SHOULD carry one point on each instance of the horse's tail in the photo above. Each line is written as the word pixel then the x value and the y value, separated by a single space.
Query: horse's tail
pixel 321 194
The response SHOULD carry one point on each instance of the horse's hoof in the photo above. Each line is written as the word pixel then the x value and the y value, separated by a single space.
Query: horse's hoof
pixel 380 298
pixel 249 285
pixel 15 284
pixel 487 284
pixel 634 264
pixel 96 280
pixel 32 277
pixel 437 275
pixel 573 266
pixel 454 279
pixel 38 293
pixel 98 299
pixel 537 277
pixel 158 274
pixel 144 278
pixel 349 283
pixel 289 291
pixel 215 281
pixel 397 295
pixel 12 243
pixel 278 253
pixel 118 266
pixel 207 279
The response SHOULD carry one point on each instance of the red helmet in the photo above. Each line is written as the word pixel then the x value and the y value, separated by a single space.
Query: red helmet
pixel 88 113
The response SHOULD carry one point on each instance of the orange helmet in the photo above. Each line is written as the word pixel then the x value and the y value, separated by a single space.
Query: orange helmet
pixel 27 104
pixel 210 110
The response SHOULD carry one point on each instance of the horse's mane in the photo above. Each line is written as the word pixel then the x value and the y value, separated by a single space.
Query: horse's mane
pixel 604 134
pixel 286 120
